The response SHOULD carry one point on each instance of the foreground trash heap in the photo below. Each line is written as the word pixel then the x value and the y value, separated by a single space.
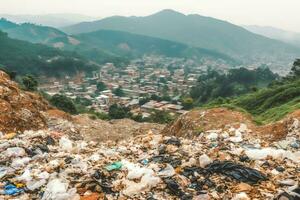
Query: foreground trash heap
pixel 214 165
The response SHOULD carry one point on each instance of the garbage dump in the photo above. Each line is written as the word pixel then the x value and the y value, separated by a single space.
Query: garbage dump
pixel 54 166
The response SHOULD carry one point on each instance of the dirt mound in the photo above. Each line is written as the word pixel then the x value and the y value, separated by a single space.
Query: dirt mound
pixel 197 121
pixel 20 110
pixel 100 130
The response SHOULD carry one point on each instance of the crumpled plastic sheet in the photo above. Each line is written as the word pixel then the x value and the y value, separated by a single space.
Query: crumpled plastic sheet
pixel 292 195
pixel 236 171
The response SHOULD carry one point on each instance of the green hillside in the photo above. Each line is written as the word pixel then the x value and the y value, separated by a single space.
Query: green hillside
pixel 123 44
pixel 30 32
pixel 198 31
pixel 24 57
pixel 272 103
pixel 107 45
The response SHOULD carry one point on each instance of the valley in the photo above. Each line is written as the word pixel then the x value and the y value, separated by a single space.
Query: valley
pixel 163 106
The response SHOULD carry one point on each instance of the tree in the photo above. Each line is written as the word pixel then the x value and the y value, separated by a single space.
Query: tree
pixel 295 71
pixel 188 103
pixel 64 103
pixel 118 112
pixel 30 83
pixel 101 87
pixel 119 92
pixel 142 101
pixel 161 117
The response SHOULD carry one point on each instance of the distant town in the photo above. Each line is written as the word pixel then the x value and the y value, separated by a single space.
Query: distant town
pixel 161 80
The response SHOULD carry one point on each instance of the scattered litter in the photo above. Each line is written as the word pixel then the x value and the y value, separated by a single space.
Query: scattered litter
pixel 114 166
pixel 39 165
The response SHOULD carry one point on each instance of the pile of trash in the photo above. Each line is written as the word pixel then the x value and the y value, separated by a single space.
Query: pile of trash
pixel 215 164
pixel 20 110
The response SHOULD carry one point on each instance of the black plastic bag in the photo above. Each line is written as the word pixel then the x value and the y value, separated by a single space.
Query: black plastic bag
pixel 236 171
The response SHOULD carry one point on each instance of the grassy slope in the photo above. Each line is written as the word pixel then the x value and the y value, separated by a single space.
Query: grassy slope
pixel 267 105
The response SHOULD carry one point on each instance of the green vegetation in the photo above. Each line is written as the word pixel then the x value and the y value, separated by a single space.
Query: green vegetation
pixel 29 83
pixel 118 112
pixel 214 85
pixel 188 103
pixel 101 87
pixel 26 58
pixel 64 103
pixel 119 92
pixel 161 117
pixel 30 32
pixel 119 47
pixel 269 104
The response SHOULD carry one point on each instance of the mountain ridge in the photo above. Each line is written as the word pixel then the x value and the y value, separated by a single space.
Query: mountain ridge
pixel 198 31
pixel 290 37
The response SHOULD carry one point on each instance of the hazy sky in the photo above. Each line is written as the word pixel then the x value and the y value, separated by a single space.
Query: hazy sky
pixel 279 13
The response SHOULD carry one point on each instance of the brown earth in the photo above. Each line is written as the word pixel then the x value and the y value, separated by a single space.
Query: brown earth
pixel 100 130
pixel 20 110
pixel 197 121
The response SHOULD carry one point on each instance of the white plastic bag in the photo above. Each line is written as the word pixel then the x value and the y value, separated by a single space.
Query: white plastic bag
pixel 66 144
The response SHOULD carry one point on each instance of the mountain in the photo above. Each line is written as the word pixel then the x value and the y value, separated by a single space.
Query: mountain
pixel 276 33
pixel 30 32
pixel 130 45
pixel 198 31
pixel 24 57
pixel 106 45
pixel 53 20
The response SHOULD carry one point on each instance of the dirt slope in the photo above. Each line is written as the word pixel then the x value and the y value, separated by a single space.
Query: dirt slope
pixel 197 121
pixel 20 110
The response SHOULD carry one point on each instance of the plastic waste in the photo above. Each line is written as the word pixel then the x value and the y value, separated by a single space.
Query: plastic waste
pixel 36 183
pixel 259 154
pixel 173 187
pixel 65 144
pixel 132 188
pixel 114 166
pixel 3 172
pixel 95 157
pixel 11 189
pixel 20 162
pixel 167 172
pixel 50 140
pixel 33 185
pixel 144 161
pixel 173 141
pixel 241 196
pixel 14 152
pixel 236 171
pixel 212 136
pixel 103 181
pixel 147 182
pixel 57 189
pixel 172 160
pixel 25 177
pixel 204 160
pixel 291 194
pixel 148 179
pixel 9 136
